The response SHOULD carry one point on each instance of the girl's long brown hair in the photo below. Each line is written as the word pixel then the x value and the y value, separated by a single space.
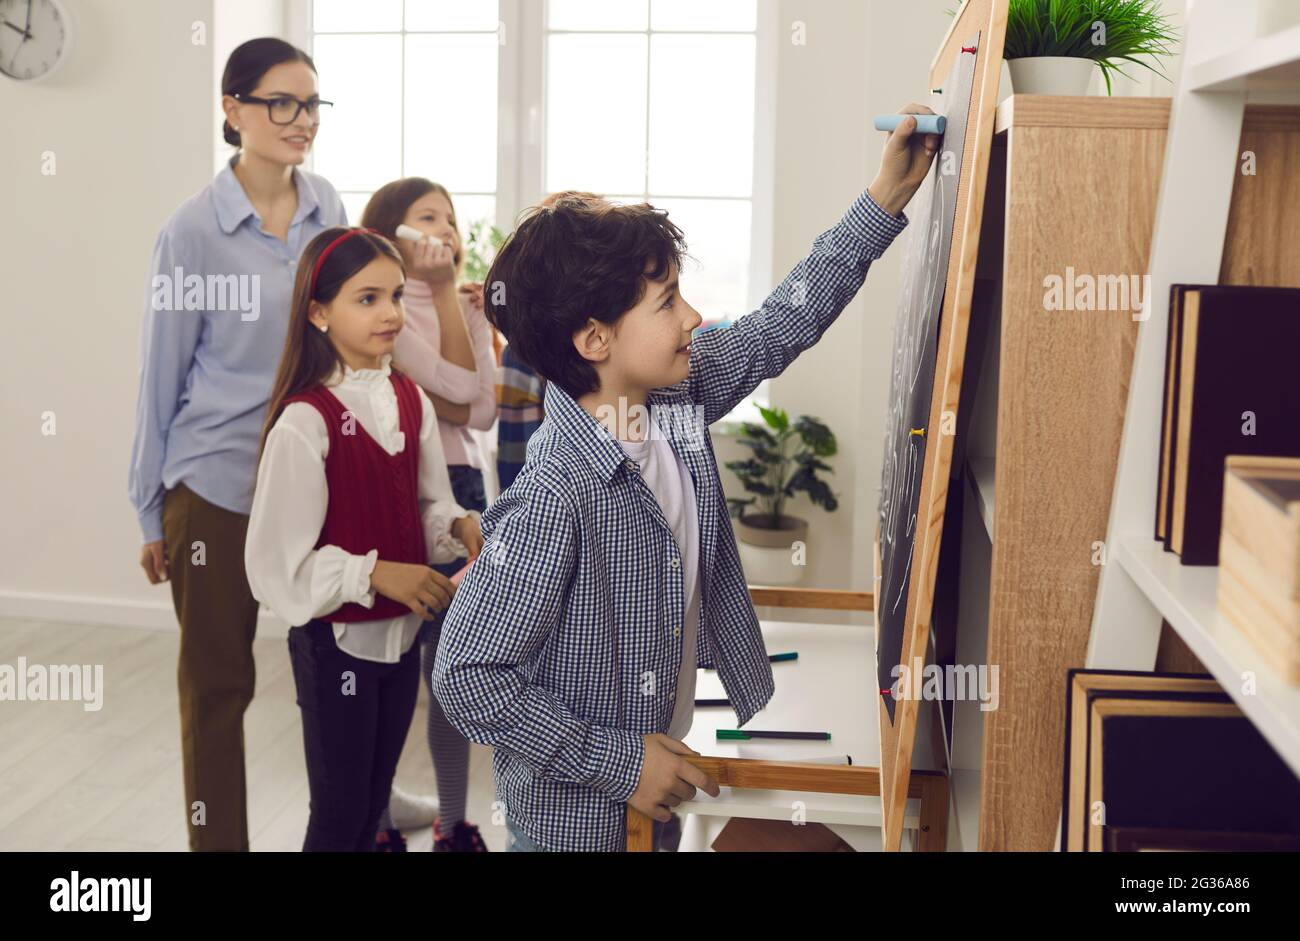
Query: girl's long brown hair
pixel 309 357
pixel 387 208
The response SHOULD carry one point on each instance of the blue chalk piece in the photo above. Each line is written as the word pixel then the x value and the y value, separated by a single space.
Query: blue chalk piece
pixel 925 123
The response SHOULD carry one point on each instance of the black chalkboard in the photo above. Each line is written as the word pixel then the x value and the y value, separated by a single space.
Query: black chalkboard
pixel 927 247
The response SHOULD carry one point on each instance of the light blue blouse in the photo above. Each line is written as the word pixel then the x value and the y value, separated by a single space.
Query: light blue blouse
pixel 214 330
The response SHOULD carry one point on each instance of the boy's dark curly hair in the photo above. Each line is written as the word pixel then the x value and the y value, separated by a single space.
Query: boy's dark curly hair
pixel 574 257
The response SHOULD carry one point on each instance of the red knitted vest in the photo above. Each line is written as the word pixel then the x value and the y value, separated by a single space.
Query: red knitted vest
pixel 374 500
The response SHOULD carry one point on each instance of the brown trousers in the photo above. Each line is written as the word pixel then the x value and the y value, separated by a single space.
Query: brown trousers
pixel 215 676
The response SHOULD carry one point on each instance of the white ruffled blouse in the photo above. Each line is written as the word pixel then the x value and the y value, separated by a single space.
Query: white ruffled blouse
pixel 300 582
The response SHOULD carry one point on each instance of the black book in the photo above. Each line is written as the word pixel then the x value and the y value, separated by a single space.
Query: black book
pixel 1167 752
pixel 1200 765
pixel 1236 391
pixel 1083 687
pixel 1167 415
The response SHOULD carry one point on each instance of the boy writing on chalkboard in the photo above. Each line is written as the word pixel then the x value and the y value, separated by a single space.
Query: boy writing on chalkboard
pixel 610 572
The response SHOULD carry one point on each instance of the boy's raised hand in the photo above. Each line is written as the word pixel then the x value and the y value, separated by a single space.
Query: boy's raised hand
pixel 666 779
pixel 904 163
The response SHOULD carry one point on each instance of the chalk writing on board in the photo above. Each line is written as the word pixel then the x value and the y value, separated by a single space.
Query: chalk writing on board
pixel 927 248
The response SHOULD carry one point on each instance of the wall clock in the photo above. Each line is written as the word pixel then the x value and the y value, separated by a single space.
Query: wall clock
pixel 35 38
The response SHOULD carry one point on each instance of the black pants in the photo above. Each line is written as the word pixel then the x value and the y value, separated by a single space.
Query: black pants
pixel 355 714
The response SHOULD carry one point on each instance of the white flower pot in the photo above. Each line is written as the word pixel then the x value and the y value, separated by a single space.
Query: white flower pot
pixel 1051 75
pixel 768 556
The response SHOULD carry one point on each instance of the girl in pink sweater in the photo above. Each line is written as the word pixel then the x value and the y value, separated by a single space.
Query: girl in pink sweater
pixel 447 349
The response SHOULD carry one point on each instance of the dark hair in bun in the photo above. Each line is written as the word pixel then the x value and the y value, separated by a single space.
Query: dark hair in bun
pixel 246 66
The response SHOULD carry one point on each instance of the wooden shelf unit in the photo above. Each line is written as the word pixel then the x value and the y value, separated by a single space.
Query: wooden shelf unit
pixel 1075 184
pixel 1072 189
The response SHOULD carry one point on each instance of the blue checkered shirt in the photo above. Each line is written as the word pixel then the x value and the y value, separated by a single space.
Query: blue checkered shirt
pixel 562 646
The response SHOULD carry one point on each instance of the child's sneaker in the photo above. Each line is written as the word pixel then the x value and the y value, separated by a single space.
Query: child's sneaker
pixel 464 838
pixel 390 841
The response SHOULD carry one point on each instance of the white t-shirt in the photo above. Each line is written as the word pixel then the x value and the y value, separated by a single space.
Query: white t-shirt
pixel 670 482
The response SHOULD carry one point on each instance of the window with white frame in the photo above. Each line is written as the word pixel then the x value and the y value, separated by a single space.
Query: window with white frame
pixel 504 101
pixel 409 80
pixel 654 101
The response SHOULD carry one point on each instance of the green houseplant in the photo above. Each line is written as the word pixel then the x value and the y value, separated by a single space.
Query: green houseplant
pixel 1052 46
pixel 786 459
pixel 481 244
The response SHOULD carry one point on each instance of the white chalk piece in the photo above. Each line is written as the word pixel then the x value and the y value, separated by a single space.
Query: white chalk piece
pixel 925 123
pixel 410 233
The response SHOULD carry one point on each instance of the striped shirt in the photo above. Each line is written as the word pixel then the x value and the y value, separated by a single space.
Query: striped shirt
pixel 562 646
pixel 519 413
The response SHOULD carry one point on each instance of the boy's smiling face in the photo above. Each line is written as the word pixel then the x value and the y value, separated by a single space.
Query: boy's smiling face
pixel 646 348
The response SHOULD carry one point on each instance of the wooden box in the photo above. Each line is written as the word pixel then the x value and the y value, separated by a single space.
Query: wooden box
pixel 1259 556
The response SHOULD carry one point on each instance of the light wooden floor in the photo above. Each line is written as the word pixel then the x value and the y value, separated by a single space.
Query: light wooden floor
pixel 111 780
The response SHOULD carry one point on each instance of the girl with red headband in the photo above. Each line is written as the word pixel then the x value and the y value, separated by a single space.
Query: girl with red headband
pixel 447 349
pixel 352 502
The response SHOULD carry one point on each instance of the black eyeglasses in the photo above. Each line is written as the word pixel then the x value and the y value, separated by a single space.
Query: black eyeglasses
pixel 284 109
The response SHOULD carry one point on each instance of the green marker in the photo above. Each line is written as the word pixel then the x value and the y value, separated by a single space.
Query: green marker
pixel 745 735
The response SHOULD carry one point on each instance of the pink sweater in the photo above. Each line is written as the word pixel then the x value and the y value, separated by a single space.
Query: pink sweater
pixel 418 353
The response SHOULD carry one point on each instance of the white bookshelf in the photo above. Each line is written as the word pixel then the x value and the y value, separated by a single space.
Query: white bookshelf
pixel 1265 63
pixel 1141 584
pixel 1185 596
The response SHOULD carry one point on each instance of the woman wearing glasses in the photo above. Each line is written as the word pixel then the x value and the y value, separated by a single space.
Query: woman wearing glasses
pixel 223 274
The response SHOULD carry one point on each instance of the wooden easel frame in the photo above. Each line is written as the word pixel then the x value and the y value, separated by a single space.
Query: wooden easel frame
pixel 930 787
pixel 988 18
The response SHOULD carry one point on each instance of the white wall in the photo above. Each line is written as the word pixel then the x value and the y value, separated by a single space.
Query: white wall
pixel 862 58
pixel 237 21
pixel 128 120
pixel 133 125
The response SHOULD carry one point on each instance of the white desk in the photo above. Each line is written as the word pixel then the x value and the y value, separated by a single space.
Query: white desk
pixel 830 688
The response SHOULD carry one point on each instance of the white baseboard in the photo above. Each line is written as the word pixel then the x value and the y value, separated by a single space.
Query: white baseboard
pixel 109 612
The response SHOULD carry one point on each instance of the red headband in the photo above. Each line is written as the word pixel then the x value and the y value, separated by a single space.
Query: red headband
pixel 315 271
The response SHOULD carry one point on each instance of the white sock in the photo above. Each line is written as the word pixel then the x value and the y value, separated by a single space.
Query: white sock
pixel 410 812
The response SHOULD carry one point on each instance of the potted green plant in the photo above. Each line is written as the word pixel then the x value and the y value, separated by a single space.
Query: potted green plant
pixel 481 244
pixel 1054 46
pixel 786 460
